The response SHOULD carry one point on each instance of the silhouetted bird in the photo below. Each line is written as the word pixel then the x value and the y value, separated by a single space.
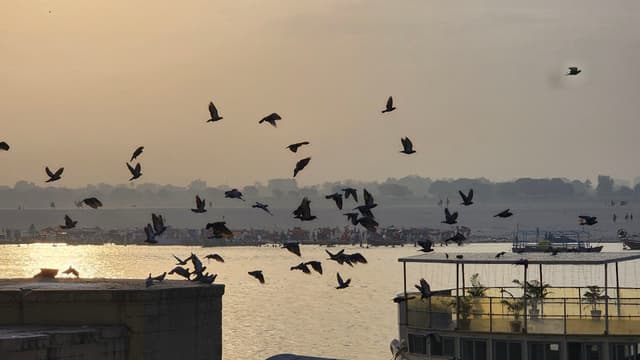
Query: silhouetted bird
pixel 588 220
pixel 341 283
pixel 368 223
pixel 150 235
pixel 400 298
pixel 302 267
pixel 504 214
pixel 265 207
pixel 233 194
pixel 446 255
pixel 303 212
pixel 301 165
pixel 407 146
pixel 389 107
pixel 501 253
pixel 68 223
pixel 368 199
pixel 316 265
pixel 458 238
pixel 200 204
pixel 220 230
pixel 215 257
pixel 198 269
pixel 574 71
pixel 353 217
pixel 351 192
pixel 135 172
pixel 339 257
pixel 258 275
pixel 137 152
pixel 271 119
pixel 158 224
pixel 179 270
pixel 466 199
pixel 356 258
pixel 450 218
pixel 460 257
pixel 294 147
pixel 425 289
pixel 337 197
pixel 160 277
pixel 213 112
pixel 72 271
pixel 365 210
pixel 53 176
pixel 92 202
pixel 4 146
pixel 293 247
pixel 180 261
pixel 426 245
pixel 149 281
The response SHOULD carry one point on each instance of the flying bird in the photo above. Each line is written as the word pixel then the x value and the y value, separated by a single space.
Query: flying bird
pixel 180 261
pixel 158 224
pixel 136 153
pixel 160 277
pixel 368 199
pixel 425 289
pixel 92 202
pixel 271 119
pixel 265 207
pixel 215 257
pixel 341 283
pixel 4 146
pixel 573 71
pixel 588 220
pixel 258 275
pixel 302 267
pixel 198 269
pixel 426 245
pixel 293 247
pixel 150 235
pixel 315 265
pixel 220 230
pixel 213 112
pixel 72 271
pixel 357 258
pixel 53 176
pixel 365 210
pixel 303 212
pixel 233 194
pixel 294 147
pixel 68 223
pixel 353 217
pixel 407 146
pixel 301 165
pixel 450 218
pixel 135 172
pixel 339 257
pixel 351 192
pixel 179 270
pixel 337 197
pixel 466 199
pixel 458 238
pixel 504 214
pixel 368 223
pixel 200 204
pixel 389 107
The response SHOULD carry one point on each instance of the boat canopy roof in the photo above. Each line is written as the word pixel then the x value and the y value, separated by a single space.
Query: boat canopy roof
pixel 509 258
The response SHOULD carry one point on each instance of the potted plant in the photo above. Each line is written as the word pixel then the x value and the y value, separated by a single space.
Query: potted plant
pixel 535 293
pixel 477 291
pixel 515 306
pixel 592 296
pixel 464 310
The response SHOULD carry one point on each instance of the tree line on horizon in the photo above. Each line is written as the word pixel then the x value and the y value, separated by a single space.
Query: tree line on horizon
pixel 410 190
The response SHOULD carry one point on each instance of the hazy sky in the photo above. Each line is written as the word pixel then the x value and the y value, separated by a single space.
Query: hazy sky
pixel 479 87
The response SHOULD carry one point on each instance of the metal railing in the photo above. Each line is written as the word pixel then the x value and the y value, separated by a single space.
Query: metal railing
pixel 558 314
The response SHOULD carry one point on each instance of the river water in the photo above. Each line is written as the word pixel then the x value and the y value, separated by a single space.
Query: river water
pixel 294 312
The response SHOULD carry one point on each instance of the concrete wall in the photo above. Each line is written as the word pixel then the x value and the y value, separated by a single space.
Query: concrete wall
pixel 171 320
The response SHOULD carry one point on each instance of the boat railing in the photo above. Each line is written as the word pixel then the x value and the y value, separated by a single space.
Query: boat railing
pixel 563 312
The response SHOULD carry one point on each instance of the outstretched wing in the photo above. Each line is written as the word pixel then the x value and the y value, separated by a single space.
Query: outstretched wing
pixel 213 111
pixel 340 281
pixel 390 102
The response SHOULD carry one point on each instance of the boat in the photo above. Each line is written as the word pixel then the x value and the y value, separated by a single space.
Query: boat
pixel 629 241
pixel 533 321
pixel 553 241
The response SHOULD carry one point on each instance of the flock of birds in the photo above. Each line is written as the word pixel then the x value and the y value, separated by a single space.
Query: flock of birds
pixel 360 215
